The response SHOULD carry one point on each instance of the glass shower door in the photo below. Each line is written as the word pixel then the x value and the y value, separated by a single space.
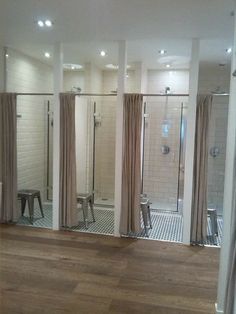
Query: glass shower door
pixel 104 151
pixel 163 157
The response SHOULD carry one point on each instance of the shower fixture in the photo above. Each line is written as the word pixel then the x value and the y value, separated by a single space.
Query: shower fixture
pixel 214 152
pixel 97 119
pixel 76 89
pixel 165 150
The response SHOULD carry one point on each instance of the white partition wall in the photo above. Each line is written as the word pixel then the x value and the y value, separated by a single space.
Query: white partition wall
pixel 58 87
pixel 81 127
pixel 189 157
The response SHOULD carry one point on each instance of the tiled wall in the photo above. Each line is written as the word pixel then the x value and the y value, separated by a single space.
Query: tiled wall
pixel 25 74
pixel 74 79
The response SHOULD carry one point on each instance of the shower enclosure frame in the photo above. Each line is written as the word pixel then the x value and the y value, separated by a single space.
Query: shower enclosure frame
pixel 181 152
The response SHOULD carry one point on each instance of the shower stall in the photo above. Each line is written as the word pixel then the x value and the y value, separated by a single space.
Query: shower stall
pixel 34 153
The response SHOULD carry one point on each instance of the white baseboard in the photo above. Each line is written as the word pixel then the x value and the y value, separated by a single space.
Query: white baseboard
pixel 218 311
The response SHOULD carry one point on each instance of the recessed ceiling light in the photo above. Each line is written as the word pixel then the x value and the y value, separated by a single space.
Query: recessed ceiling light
pixel 168 65
pixel 114 66
pixel 6 55
pixel 40 23
pixel 103 53
pixel 162 52
pixel 47 55
pixel 127 75
pixel 229 50
pixel 48 23
pixel 72 67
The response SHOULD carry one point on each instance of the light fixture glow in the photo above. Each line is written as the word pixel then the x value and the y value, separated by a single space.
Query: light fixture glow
pixel 168 65
pixel 103 53
pixel 6 55
pixel 47 55
pixel 229 50
pixel 48 23
pixel 72 66
pixel 162 52
pixel 40 23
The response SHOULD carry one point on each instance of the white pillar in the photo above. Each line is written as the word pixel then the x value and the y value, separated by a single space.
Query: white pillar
pixel 190 135
pixel 228 186
pixel 119 132
pixel 58 88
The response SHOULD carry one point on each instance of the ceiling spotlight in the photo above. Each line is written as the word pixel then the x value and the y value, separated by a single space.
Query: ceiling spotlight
pixel 40 23
pixel 72 67
pixel 47 55
pixel 162 52
pixel 6 55
pixel 168 65
pixel 229 50
pixel 102 53
pixel 48 23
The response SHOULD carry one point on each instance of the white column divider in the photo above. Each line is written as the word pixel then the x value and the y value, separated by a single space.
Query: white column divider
pixel 58 87
pixel 119 132
pixel 228 186
pixel 190 135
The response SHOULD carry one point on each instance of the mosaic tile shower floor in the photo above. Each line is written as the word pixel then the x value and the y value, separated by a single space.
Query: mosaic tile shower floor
pixel 166 226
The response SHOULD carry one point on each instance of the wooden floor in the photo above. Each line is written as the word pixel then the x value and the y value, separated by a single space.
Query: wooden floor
pixel 67 272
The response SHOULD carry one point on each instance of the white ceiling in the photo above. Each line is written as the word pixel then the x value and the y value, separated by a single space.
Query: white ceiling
pixel 87 26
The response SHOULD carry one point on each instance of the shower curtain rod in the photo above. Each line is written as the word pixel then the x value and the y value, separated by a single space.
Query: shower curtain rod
pixel 51 94
pixel 91 94
pixel 226 94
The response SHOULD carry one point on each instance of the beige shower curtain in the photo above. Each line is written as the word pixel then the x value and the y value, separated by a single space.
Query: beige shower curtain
pixel 199 205
pixel 231 276
pixel 68 203
pixel 9 211
pixel 131 169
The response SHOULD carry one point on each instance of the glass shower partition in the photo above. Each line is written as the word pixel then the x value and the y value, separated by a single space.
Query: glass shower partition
pixel 217 152
pixel 163 151
pixel 104 114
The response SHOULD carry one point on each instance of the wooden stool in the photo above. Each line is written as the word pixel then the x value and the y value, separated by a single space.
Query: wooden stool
pixel 29 196
pixel 86 199
pixel 212 213
pixel 146 213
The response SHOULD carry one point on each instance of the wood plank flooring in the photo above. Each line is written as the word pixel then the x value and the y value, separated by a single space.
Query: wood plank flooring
pixel 42 271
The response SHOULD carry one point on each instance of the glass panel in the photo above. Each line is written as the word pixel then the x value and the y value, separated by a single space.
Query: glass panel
pixel 163 151
pixel 104 150
pixel 217 152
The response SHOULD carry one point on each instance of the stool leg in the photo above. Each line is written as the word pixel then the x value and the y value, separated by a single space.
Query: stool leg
pixel 92 211
pixel 215 224
pixel 23 203
pixel 149 216
pixel 144 214
pixel 31 208
pixel 40 205
pixel 85 211
pixel 212 225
